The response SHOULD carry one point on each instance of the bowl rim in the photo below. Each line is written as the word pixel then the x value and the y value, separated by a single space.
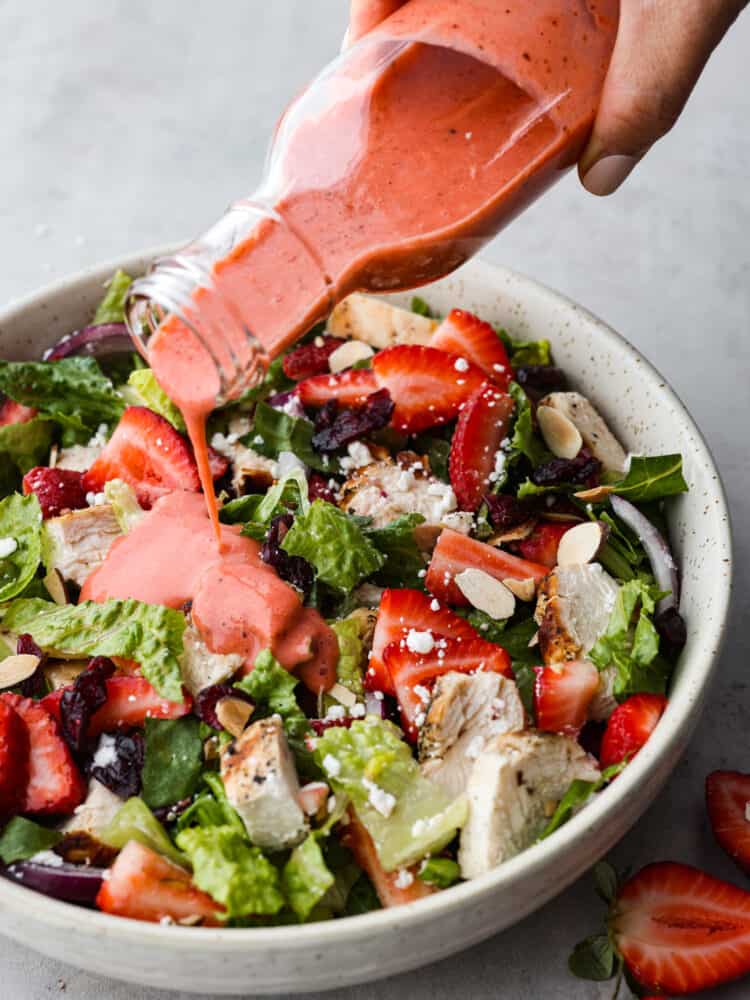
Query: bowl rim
pixel 682 710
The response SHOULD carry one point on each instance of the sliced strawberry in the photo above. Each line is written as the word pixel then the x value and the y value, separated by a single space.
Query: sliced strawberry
pixel 14 761
pixel 542 544
pixel 481 427
pixel 728 801
pixel 389 886
pixel 680 930
pixel 57 490
pixel 400 611
pixel 143 885
pixel 149 454
pixel 12 412
pixel 467 335
pixel 455 552
pixel 349 388
pixel 427 386
pixel 562 695
pixel 630 726
pixel 130 701
pixel 310 359
pixel 413 673
pixel 55 785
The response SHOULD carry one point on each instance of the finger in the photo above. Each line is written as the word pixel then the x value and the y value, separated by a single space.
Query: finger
pixel 365 14
pixel 661 49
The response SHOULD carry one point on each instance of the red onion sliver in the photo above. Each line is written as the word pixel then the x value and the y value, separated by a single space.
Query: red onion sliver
pixel 659 555
pixel 98 341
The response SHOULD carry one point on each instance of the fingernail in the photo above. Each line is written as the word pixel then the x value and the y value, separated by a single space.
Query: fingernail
pixel 607 174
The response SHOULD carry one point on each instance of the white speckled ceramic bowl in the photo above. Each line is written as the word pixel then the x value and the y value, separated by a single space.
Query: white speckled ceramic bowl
pixel 649 418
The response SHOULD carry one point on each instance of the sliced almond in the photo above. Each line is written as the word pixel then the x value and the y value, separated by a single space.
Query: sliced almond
pixel 343 695
pixel 565 517
pixel 60 673
pixel 581 544
pixel 595 495
pixel 524 590
pixel 485 593
pixel 350 352
pixel 560 434
pixel 16 668
pixel 515 534
pixel 55 587
pixel 313 797
pixel 233 714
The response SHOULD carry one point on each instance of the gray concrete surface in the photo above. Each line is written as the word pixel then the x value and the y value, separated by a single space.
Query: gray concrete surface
pixel 125 124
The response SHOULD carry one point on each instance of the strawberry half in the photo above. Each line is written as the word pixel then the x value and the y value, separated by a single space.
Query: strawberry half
pixel 630 726
pixel 400 611
pixel 310 359
pixel 481 427
pixel 388 885
pixel 12 412
pixel 149 454
pixel 14 761
pixel 349 388
pixel 727 798
pixel 55 785
pixel 542 544
pixel 680 930
pixel 427 386
pixel 467 335
pixel 411 671
pixel 143 885
pixel 562 695
pixel 455 552
pixel 57 490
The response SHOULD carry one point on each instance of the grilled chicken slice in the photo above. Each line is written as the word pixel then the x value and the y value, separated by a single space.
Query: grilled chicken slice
pixel 465 711
pixel 514 786
pixel 201 667
pixel 573 610
pixel 79 541
pixel 597 437
pixel 379 324
pixel 603 704
pixel 261 783
pixel 81 843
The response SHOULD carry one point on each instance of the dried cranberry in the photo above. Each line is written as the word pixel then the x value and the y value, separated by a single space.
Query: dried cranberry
pixel 348 425
pixel 505 512
pixel 311 358
pixel 319 726
pixel 538 380
pixel 293 569
pixel 79 702
pixel 582 470
pixel 34 686
pixel 671 627
pixel 168 814
pixel 209 698
pixel 326 415
pixel 318 488
pixel 122 755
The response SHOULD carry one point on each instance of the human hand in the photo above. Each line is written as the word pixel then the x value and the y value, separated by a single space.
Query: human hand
pixel 661 49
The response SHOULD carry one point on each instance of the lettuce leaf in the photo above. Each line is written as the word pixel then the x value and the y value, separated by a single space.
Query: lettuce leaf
pixel 406 815
pixel 256 511
pixel 149 393
pixel 173 760
pixel 420 307
pixel 22 839
pixel 147 633
pixel 21 521
pixel 211 807
pixel 135 821
pixel 335 545
pixel 403 560
pixel 441 872
pixel 526 352
pixel 652 478
pixel 306 877
pixel 231 871
pixel 111 309
pixel 577 795
pixel 524 440
pixel 269 684
pixel 275 431
pixel 350 666
pixel 26 445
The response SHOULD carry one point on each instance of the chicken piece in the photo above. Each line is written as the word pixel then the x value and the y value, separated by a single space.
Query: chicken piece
pixel 514 787
pixel 200 667
pixel 79 542
pixel 573 610
pixel 81 842
pixel 379 324
pixel 464 713
pixel 250 471
pixel 261 783
pixel 597 437
pixel 78 457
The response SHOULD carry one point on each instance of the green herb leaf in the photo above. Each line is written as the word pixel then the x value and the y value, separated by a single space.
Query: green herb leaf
pixel 525 440
pixel 420 307
pixel 351 662
pixel 306 877
pixel 20 521
pixel 149 393
pixel 269 684
pixel 403 559
pixel 652 478
pixel 442 872
pixel 577 796
pixel 135 821
pixel 526 352
pixel 593 959
pixel 275 431
pixel 111 309
pixel 211 807
pixel 26 445
pixel 256 511
pixel 22 839
pixel 173 760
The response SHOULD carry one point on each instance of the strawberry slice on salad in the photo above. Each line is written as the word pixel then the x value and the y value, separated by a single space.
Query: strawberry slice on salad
pixel 400 612
pixel 727 798
pixel 393 888
pixel 348 388
pixel 542 544
pixel 55 785
pixel 467 335
pixel 310 359
pixel 143 885
pixel 562 695
pixel 12 412
pixel 476 455
pixel 630 726
pixel 455 552
pixel 14 760
pixel 57 490
pixel 413 673
pixel 149 454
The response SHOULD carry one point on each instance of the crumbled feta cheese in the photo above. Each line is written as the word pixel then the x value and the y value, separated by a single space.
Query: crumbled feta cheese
pixel 499 469
pixel 404 879
pixel 95 499
pixel 422 693
pixel 331 804
pixel 332 765
pixel 100 438
pixel 378 798
pixel 48 858
pixel 434 604
pixel 106 752
pixel 7 547
pixel 420 642
pixel 461 365
pixel 422 574
pixel 359 454
pixel 358 711
pixel 336 712
pixel 289 461
pixel 258 439
pixel 318 341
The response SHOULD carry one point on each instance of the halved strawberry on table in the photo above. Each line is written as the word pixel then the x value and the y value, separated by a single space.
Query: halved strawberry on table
pixel 57 490
pixel 562 695
pixel 469 337
pixel 143 885
pixel 476 455
pixel 728 802
pixel 14 761
pixel 348 388
pixel 630 726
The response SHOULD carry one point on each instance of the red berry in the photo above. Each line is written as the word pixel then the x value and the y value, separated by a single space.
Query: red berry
pixel 311 358
pixel 467 335
pixel 481 427
pixel 57 490
pixel 630 726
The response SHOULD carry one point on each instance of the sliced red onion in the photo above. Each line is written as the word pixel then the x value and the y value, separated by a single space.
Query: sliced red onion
pixel 72 883
pixel 99 341
pixel 659 555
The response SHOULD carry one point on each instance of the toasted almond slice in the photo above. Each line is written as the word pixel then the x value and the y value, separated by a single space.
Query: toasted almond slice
pixel 581 544
pixel 343 695
pixel 350 352
pixel 61 673
pixel 16 668
pixel 55 587
pixel 516 533
pixel 524 590
pixel 313 796
pixel 485 593
pixel 190 921
pixel 233 714
pixel 566 518
pixel 560 434
pixel 594 495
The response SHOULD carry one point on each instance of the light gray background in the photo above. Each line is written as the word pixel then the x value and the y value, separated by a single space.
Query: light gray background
pixel 126 123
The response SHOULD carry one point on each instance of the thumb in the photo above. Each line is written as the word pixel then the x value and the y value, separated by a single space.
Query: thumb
pixel 365 14
pixel 661 49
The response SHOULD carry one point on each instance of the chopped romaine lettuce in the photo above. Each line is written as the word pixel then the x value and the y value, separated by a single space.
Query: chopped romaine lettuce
pixel 173 760
pixel 256 511
pixel 149 393
pixel 524 440
pixel 275 431
pixel 20 532
pixel 125 506
pixel 577 796
pixel 269 684
pixel 111 309
pixel 26 445
pixel 351 662
pixel 135 821
pixel 22 839
pixel 211 807
pixel 441 872
pixel 403 560
pixel 306 877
